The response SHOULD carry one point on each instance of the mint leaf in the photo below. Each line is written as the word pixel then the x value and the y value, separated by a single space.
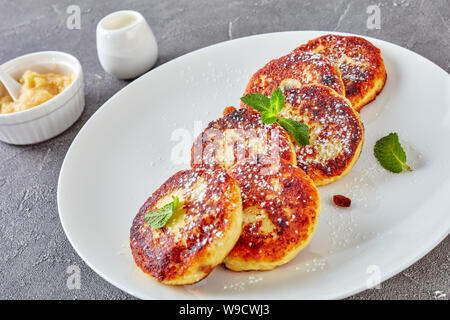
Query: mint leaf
pixel 299 130
pixel 277 101
pixel 158 218
pixel 270 108
pixel 390 154
pixel 257 101
pixel 268 117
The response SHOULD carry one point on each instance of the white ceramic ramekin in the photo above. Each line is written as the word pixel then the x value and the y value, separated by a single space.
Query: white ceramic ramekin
pixel 126 45
pixel 53 116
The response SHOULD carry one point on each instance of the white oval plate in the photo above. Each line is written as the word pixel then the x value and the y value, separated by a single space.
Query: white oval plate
pixel 126 150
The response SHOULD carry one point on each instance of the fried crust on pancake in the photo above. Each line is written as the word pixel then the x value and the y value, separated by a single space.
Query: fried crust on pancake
pixel 359 61
pixel 281 206
pixel 198 236
pixel 336 133
pixel 297 69
pixel 240 135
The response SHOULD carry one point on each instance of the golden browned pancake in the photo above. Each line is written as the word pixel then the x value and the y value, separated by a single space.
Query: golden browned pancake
pixel 281 206
pixel 295 69
pixel 203 229
pixel 336 133
pixel 240 135
pixel 360 63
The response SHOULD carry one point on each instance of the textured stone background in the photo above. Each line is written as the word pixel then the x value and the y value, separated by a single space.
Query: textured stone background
pixel 34 251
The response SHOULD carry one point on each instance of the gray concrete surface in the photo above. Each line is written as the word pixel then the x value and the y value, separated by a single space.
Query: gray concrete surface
pixel 34 251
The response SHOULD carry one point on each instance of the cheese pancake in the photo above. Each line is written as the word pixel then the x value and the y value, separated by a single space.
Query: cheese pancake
pixel 281 206
pixel 335 132
pixel 240 135
pixel 203 229
pixel 295 69
pixel 359 61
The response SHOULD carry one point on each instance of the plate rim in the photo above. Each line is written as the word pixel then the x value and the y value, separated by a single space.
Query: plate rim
pixel 430 245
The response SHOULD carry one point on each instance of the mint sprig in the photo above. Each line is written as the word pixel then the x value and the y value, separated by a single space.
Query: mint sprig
pixel 390 154
pixel 158 218
pixel 270 108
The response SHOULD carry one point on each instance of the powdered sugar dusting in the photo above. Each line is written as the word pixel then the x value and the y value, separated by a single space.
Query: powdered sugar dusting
pixel 238 136
pixel 280 207
pixel 359 61
pixel 305 67
pixel 335 130
pixel 209 202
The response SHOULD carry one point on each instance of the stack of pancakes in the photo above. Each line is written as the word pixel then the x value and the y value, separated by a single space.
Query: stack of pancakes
pixel 250 199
